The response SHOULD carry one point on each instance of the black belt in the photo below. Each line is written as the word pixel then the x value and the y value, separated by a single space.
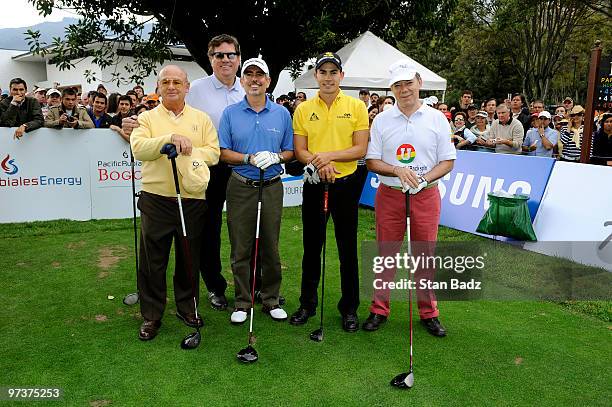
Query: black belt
pixel 255 182
pixel 171 198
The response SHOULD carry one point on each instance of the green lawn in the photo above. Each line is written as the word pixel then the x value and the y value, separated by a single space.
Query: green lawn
pixel 59 329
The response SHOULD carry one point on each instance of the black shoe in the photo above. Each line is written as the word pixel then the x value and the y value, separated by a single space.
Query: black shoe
pixel 374 322
pixel 148 330
pixel 434 326
pixel 217 302
pixel 350 322
pixel 281 300
pixel 300 317
pixel 190 319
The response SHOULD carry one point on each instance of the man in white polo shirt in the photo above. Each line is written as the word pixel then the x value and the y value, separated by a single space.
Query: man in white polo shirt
pixel 410 149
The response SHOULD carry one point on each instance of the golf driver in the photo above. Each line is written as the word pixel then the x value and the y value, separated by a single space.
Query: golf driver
pixel 317 334
pixel 133 298
pixel 192 340
pixel 249 354
pixel 406 380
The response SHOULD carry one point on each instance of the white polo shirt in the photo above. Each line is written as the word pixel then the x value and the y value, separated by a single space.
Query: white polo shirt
pixel 418 142
pixel 211 96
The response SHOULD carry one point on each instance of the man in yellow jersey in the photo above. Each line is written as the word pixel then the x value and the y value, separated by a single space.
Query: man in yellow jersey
pixel 195 138
pixel 330 135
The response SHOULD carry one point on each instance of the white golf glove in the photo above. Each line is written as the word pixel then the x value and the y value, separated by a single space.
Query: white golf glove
pixel 311 175
pixel 412 191
pixel 264 159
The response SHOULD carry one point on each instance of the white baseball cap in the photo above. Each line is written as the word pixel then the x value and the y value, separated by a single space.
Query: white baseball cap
pixel 258 62
pixel 545 115
pixel 402 70
pixel 53 91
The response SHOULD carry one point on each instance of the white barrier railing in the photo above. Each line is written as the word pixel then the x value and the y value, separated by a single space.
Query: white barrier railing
pixel 73 174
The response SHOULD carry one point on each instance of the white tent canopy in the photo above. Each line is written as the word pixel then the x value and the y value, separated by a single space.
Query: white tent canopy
pixel 365 62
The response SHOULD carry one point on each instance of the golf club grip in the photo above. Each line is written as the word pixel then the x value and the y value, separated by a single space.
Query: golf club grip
pixel 325 198
pixel 175 175
pixel 261 180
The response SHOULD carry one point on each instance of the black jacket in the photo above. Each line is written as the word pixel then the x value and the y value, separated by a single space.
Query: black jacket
pixel 105 122
pixel 602 147
pixel 28 113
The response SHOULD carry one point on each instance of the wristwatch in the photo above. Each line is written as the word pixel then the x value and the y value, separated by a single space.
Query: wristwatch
pixel 246 158
pixel 280 158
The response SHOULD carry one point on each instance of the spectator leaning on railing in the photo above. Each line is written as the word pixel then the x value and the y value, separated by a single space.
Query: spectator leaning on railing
pixel 481 130
pixel 98 115
pixel 571 136
pixel 506 132
pixel 541 140
pixel 19 110
pixel 68 114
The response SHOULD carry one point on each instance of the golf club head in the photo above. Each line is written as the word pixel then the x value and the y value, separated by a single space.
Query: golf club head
pixel 169 149
pixel 248 355
pixel 192 340
pixel 317 335
pixel 403 380
pixel 131 299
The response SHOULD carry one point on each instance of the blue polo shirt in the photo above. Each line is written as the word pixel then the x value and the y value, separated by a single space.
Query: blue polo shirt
pixel 532 136
pixel 243 130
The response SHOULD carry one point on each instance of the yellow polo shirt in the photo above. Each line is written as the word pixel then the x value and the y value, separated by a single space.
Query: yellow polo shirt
pixel 331 129
pixel 155 129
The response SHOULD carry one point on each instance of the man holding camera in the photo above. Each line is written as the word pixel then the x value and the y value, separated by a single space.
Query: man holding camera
pixel 68 113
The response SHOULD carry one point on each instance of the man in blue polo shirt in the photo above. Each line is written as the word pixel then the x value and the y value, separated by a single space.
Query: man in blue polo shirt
pixel 255 134
pixel 541 140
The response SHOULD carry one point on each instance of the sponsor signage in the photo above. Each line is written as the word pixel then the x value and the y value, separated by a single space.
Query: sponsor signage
pixel 464 190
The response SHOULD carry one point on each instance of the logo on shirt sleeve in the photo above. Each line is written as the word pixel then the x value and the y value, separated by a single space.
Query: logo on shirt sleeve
pixel 314 117
pixel 405 153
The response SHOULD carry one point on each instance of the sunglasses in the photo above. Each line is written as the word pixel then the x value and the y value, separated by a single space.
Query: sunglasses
pixel 220 55
pixel 576 114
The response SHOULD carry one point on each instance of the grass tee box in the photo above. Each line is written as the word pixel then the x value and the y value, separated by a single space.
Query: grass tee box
pixel 63 326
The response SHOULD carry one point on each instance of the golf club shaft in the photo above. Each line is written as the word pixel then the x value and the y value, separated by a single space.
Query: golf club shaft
pixel 409 274
pixel 185 242
pixel 325 209
pixel 259 199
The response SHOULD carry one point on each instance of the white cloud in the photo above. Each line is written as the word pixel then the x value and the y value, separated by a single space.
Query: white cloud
pixel 21 13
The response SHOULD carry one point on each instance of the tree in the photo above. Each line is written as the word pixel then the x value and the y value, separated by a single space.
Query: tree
pixel 285 32
pixel 534 35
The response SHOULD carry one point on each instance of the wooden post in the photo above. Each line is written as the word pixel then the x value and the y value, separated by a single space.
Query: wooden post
pixel 587 135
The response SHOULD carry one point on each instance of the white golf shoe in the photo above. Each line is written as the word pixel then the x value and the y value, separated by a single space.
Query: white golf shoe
pixel 276 313
pixel 238 316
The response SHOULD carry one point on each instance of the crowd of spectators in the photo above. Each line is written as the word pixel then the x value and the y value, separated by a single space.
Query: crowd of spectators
pixel 513 126
pixel 510 126
pixel 69 108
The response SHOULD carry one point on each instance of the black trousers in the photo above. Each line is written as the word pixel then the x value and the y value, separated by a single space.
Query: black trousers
pixel 211 235
pixel 342 204
pixel 159 225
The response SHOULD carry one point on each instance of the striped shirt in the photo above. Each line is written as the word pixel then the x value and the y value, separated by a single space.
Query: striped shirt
pixel 570 151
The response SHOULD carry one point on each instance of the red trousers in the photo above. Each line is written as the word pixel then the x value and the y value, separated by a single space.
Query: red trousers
pixel 390 206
